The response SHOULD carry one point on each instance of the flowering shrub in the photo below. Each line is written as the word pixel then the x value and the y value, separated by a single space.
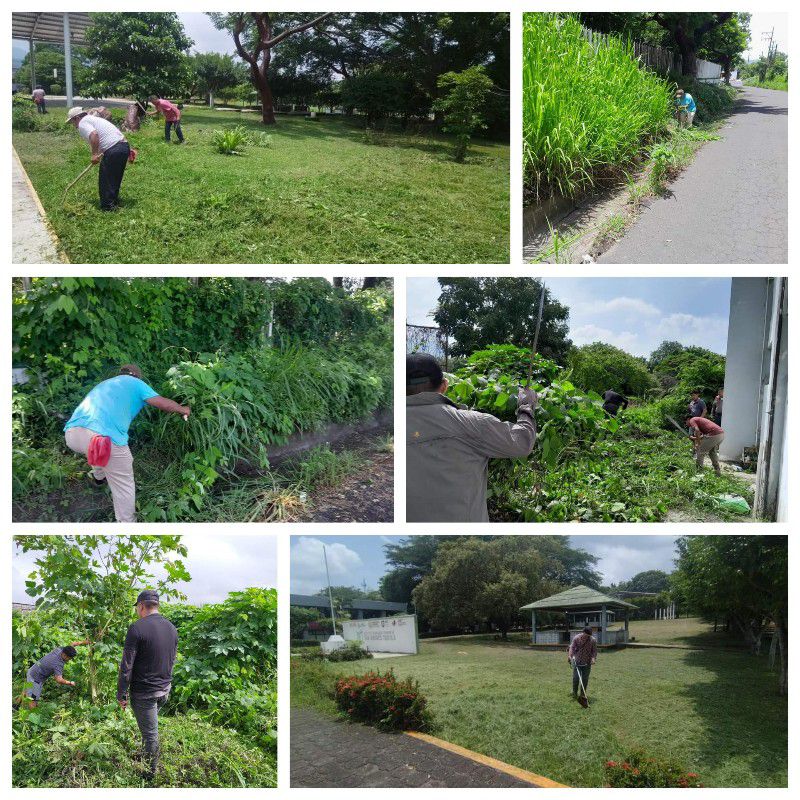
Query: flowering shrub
pixel 640 771
pixel 383 701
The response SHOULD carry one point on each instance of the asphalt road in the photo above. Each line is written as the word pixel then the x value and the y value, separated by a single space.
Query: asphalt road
pixel 730 206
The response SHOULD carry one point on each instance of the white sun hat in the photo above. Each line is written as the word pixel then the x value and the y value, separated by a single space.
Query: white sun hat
pixel 74 112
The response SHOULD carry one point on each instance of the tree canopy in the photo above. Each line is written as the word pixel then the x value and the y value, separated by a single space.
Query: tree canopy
pixel 600 366
pixel 138 54
pixel 477 312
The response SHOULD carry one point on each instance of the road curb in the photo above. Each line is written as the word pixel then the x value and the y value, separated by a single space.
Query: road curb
pixel 532 778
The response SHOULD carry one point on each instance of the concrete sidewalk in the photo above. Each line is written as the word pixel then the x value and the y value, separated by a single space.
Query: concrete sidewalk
pixel 327 753
pixel 32 242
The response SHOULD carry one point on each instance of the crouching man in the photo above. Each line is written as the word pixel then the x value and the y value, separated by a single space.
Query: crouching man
pixel 145 672
pixel 448 449
pixel 50 665
pixel 106 413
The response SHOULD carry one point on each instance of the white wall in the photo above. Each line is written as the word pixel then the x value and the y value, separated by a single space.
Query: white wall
pixel 385 634
pixel 743 366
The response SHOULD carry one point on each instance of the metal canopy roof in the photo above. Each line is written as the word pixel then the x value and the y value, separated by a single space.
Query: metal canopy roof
pixel 49 27
pixel 321 601
pixel 576 597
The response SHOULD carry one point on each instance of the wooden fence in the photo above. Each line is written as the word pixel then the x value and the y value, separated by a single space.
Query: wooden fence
pixel 659 59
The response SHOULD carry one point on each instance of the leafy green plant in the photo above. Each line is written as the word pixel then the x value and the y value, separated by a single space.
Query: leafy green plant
pixel 231 141
pixel 463 103
pixel 641 771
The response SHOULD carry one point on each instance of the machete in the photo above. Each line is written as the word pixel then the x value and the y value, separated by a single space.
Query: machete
pixel 680 428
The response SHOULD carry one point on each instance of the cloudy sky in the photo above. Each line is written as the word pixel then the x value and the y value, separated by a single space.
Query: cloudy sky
pixel 635 314
pixel 359 560
pixel 218 565
pixel 207 39
pixel 764 22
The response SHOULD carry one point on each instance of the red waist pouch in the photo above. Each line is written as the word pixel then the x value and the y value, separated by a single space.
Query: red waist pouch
pixel 99 451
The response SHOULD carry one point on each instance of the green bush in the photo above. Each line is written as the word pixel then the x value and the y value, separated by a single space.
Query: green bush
pixel 383 701
pixel 641 771
pixel 231 141
pixel 599 366
pixel 352 651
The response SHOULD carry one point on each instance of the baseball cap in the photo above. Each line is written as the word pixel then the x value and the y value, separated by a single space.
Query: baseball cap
pixel 147 596
pixel 423 368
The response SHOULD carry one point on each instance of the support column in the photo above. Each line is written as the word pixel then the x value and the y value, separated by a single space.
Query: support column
pixel 533 626
pixel 603 623
pixel 627 618
pixel 32 57
pixel 68 61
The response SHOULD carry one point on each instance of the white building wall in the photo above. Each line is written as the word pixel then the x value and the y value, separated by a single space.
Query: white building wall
pixel 743 366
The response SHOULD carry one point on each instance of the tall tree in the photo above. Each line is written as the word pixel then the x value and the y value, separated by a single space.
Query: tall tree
pixel 726 43
pixel 688 30
pixel 744 578
pixel 477 312
pixel 50 57
pixel 256 34
pixel 216 72
pixel 138 54
pixel 95 580
pixel 651 580
pixel 410 561
pixel 600 366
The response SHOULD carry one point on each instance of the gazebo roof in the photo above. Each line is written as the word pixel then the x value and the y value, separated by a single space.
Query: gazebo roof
pixel 576 598
pixel 49 27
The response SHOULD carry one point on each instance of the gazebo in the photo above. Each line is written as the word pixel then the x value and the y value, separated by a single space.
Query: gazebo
pixel 581 606
pixel 54 28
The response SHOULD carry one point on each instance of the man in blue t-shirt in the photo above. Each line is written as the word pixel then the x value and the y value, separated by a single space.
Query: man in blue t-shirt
pixel 108 410
pixel 686 107
pixel 49 665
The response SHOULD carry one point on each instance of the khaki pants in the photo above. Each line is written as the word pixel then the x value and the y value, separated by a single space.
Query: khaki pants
pixel 118 472
pixel 709 446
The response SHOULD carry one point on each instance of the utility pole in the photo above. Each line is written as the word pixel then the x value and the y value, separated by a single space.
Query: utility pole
pixel 769 38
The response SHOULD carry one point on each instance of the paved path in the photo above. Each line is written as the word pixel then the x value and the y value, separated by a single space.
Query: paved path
pixel 326 753
pixel 31 240
pixel 731 204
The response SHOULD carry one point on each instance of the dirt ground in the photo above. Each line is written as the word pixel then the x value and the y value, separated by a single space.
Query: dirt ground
pixel 365 496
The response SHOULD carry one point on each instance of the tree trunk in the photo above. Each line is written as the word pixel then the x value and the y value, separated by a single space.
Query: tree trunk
pixel 91 668
pixel 688 52
pixel 264 92
pixel 780 632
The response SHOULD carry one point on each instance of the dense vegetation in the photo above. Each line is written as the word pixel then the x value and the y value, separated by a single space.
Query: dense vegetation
pixel 587 465
pixel 218 728
pixel 204 344
pixel 591 111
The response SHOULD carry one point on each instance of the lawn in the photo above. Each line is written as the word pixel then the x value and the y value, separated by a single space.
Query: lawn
pixel 715 712
pixel 322 191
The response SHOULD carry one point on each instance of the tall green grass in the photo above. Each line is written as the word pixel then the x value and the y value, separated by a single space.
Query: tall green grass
pixel 587 108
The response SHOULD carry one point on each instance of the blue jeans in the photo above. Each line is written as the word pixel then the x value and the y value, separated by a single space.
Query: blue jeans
pixel 168 127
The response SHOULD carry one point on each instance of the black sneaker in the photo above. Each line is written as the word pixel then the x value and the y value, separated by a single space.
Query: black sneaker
pixel 97 482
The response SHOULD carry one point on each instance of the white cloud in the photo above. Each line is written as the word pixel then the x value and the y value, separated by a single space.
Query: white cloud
pixel 632 306
pixel 308 565
pixel 586 334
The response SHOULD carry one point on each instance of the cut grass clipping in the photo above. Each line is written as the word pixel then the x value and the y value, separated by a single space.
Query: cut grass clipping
pixel 301 193
pixel 586 106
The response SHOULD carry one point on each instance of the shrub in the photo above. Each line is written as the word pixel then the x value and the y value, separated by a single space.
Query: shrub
pixel 231 141
pixel 352 651
pixel 383 701
pixel 640 771
pixel 463 103
pixel 56 88
pixel 599 366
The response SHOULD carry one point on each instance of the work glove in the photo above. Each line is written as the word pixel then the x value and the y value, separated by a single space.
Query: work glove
pixel 527 399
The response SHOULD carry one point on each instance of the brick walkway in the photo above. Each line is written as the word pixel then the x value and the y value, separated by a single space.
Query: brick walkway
pixel 327 753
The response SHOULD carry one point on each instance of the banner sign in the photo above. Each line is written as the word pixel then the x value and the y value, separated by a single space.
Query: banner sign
pixel 384 634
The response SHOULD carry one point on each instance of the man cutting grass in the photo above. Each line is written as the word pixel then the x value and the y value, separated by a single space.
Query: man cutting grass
pixel 448 449
pixel 686 108
pixel 172 117
pixel 707 437
pixel 110 149
pixel 50 665
pixel 107 412
pixel 582 655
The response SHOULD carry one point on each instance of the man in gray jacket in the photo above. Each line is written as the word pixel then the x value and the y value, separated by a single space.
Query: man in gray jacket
pixel 448 448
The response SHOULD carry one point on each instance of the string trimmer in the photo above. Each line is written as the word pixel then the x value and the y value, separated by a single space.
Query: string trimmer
pixel 582 698
pixel 535 338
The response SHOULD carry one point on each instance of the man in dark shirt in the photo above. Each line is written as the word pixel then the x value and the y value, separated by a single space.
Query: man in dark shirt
pixel 145 672
pixel 50 665
pixel 612 402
